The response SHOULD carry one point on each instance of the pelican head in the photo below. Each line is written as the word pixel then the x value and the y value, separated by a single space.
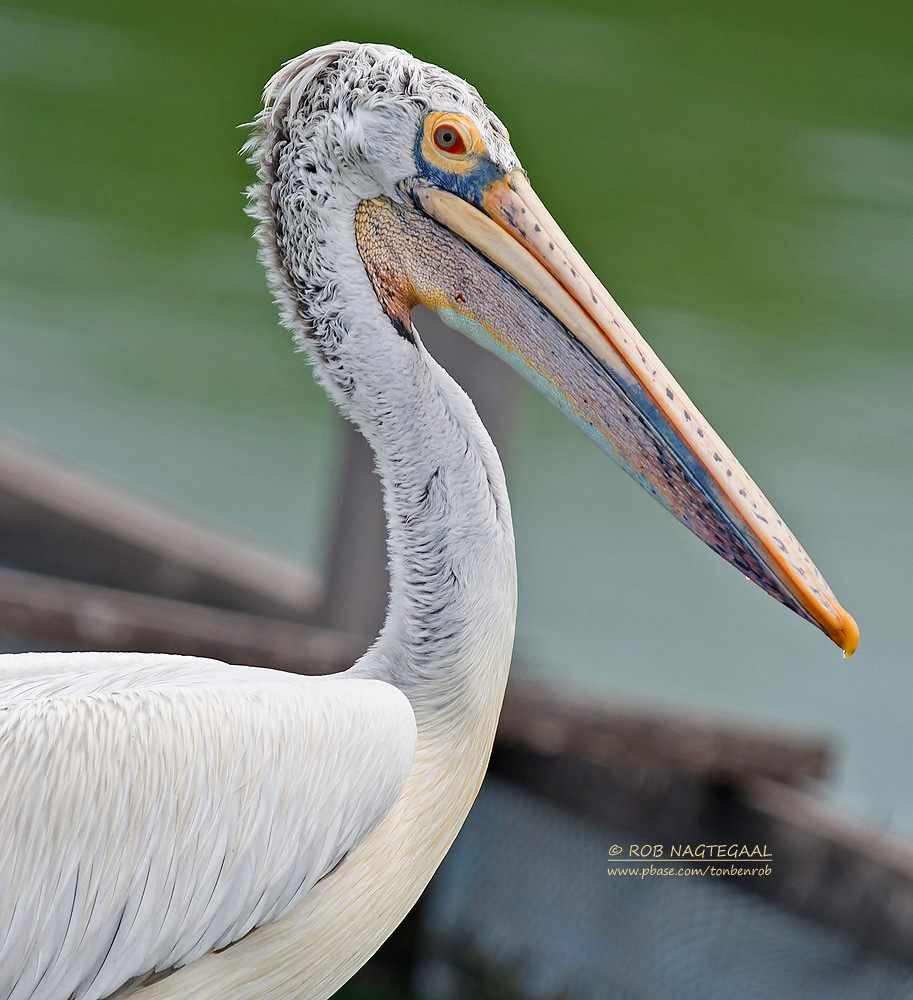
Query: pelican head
pixel 391 177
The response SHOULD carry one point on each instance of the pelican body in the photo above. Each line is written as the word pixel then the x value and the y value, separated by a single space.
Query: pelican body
pixel 174 827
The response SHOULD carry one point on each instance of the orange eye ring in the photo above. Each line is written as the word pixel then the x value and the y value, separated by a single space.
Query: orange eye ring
pixel 448 139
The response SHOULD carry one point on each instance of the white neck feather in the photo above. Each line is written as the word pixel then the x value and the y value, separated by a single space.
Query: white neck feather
pixel 450 537
pixel 449 629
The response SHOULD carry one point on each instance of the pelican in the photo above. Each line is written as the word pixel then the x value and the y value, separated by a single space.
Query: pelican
pixel 175 827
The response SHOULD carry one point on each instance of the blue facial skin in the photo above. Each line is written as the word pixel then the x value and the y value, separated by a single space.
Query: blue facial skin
pixel 470 186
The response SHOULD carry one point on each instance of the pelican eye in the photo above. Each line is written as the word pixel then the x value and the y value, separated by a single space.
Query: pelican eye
pixel 449 140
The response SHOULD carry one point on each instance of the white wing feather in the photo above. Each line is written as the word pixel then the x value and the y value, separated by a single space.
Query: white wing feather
pixel 156 808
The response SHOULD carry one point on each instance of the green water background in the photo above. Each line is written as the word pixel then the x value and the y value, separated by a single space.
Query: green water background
pixel 741 176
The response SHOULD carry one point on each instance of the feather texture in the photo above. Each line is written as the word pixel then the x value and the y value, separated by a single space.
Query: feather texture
pixel 157 808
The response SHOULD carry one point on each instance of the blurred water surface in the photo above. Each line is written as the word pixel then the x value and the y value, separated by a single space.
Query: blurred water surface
pixel 742 179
